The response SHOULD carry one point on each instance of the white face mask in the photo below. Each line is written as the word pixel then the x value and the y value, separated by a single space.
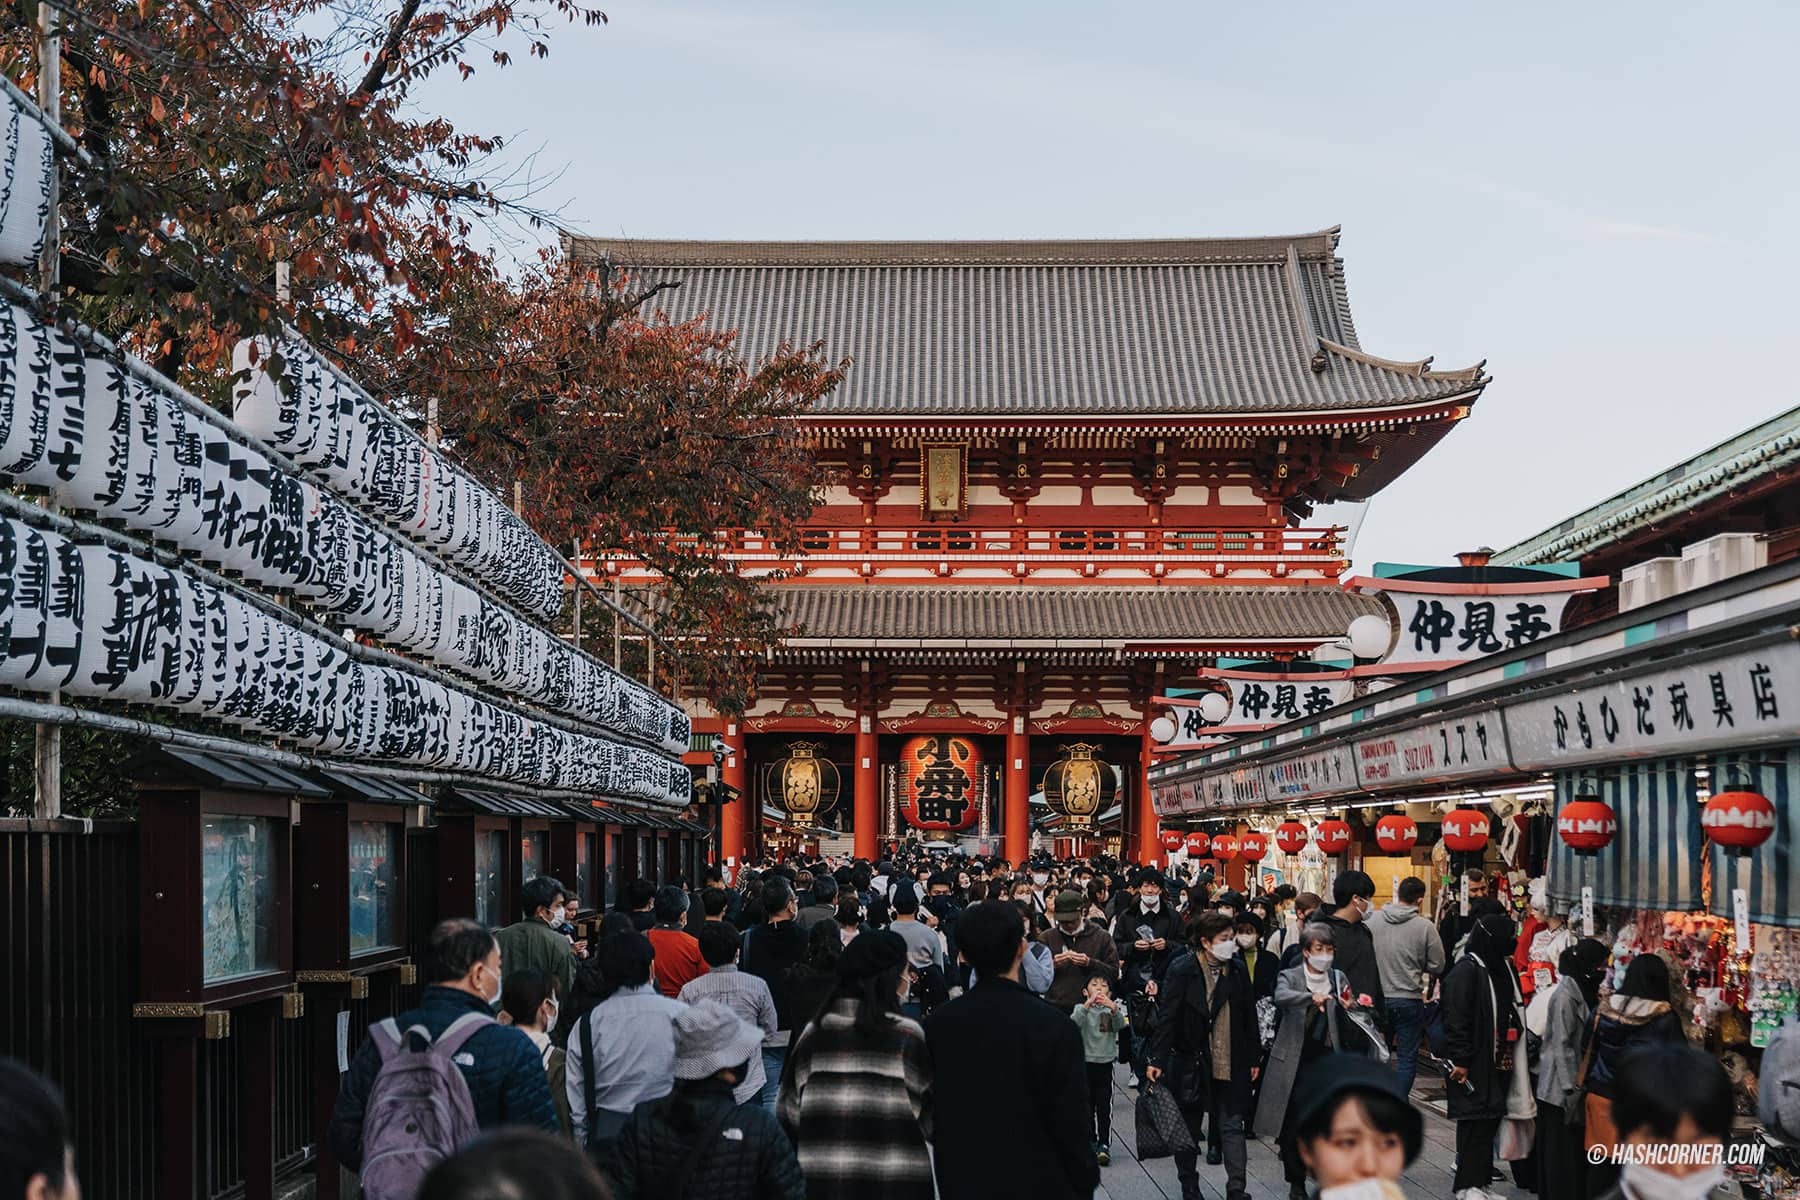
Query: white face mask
pixel 1151 901
pixel 1040 879
pixel 1225 950
pixel 1319 962
pixel 1246 940
pixel 1647 1183
pixel 495 998
pixel 550 1021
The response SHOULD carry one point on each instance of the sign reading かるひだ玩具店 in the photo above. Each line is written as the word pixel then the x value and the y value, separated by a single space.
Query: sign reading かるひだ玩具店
pixel 1710 701
pixel 1455 748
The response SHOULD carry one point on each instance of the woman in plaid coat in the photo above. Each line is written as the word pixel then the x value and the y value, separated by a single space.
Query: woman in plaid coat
pixel 856 1092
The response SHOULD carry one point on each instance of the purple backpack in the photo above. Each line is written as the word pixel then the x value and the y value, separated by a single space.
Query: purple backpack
pixel 419 1109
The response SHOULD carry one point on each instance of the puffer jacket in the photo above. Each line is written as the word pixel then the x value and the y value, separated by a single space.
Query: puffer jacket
pixel 505 1077
pixel 749 1159
pixel 1624 1025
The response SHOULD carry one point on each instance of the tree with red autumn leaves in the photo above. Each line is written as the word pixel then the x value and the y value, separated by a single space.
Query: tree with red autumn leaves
pixel 229 136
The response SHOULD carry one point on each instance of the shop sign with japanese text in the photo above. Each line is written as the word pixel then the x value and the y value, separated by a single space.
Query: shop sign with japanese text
pixel 1327 772
pixel 1457 748
pixel 1704 704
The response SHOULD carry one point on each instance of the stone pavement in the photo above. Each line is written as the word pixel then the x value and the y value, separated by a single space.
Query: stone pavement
pixel 1128 1179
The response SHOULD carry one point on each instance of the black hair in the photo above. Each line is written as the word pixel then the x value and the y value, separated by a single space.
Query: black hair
pixel 824 890
pixel 615 922
pixel 714 902
pixel 988 936
pixel 677 880
pixel 624 961
pixel 1351 884
pixel 34 1129
pixel 636 894
pixel 670 903
pixel 719 944
pixel 1254 924
pixel 860 879
pixel 849 913
pixel 457 944
pixel 1286 891
pixel 1386 1113
pixel 713 874
pixel 540 893
pixel 823 946
pixel 777 894
pixel 1411 890
pixel 1647 978
pixel 1661 1082
pixel 524 992
pixel 514 1162
pixel 941 879
pixel 905 899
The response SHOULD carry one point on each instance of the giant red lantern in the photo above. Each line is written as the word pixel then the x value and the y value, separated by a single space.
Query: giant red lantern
pixel 1172 840
pixel 1396 833
pixel 1739 821
pixel 1334 836
pixel 1465 830
pixel 1198 844
pixel 1225 847
pixel 1291 837
pixel 940 787
pixel 1252 846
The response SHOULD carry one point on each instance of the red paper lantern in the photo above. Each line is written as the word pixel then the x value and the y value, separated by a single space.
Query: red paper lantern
pixel 1291 837
pixel 1739 821
pixel 939 782
pixel 1334 836
pixel 1225 847
pixel 1172 840
pixel 1396 833
pixel 1198 844
pixel 1252 847
pixel 1465 829
pixel 1586 825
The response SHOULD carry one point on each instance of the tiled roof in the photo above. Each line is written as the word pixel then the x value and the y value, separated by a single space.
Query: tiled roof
pixel 1043 614
pixel 1186 327
pixel 1752 454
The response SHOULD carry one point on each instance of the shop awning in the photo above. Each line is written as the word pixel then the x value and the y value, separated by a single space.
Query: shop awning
pixel 500 804
pixel 1770 874
pixel 370 789
pixel 1654 860
pixel 224 772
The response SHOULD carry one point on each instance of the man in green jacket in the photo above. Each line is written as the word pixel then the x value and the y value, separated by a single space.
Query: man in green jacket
pixel 532 942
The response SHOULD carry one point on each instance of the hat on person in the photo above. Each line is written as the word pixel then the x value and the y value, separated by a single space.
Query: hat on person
pixel 1326 1080
pixel 1069 903
pixel 871 952
pixel 710 1038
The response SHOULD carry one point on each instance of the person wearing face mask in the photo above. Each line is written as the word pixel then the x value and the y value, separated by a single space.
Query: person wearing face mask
pixel 1205 1047
pixel 856 1095
pixel 1353 893
pixel 1671 1096
pixel 1567 1016
pixel 529 1003
pixel 1259 964
pixel 501 1066
pixel 1638 1013
pixel 1311 997
pixel 1355 1129
pixel 1483 1031
pixel 1079 950
pixel 534 941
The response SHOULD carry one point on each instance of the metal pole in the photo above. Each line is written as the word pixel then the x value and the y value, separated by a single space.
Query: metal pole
pixel 47 773
pixel 578 591
pixel 618 633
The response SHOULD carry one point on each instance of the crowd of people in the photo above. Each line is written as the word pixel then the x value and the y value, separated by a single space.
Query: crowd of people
pixel 948 1027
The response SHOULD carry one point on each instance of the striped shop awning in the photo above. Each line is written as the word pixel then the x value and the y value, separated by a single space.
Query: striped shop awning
pixel 1654 859
pixel 1771 872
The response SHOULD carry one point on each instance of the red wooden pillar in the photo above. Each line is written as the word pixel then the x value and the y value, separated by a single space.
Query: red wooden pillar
pixel 736 831
pixel 1148 848
pixel 1017 823
pixel 867 815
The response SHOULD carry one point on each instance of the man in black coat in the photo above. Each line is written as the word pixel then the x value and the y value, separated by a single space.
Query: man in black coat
pixel 1009 1079
pixel 1354 894
pixel 1206 1048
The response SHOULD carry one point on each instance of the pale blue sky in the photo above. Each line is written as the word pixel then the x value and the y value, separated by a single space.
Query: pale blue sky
pixel 1599 199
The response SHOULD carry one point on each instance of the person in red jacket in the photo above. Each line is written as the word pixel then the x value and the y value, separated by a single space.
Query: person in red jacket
pixel 678 958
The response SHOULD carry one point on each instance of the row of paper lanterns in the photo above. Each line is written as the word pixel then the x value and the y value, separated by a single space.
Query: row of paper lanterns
pixel 330 427
pixel 92 622
pixel 1736 820
pixel 27 166
pixel 102 441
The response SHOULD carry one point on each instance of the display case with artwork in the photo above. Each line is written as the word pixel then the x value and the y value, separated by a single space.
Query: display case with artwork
pixel 350 862
pixel 577 851
pixel 216 911
pixel 489 844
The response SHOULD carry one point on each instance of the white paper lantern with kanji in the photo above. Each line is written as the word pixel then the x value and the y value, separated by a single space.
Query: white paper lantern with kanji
pixel 27 166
